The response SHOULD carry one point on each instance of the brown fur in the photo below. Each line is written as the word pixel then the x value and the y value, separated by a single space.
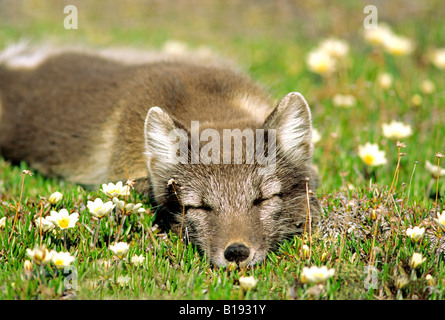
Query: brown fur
pixel 82 118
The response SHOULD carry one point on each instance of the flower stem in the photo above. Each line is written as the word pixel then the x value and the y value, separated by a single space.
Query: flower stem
pixel 42 274
pixel 18 207
pixel 395 177
pixel 411 180
pixel 437 184
pixel 120 227
pixel 40 224
pixel 64 239
pixel 96 232
pixel 308 221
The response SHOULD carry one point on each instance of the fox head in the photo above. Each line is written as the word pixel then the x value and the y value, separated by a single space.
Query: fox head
pixel 237 213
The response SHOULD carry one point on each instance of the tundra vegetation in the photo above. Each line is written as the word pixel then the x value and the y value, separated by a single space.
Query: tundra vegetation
pixel 378 108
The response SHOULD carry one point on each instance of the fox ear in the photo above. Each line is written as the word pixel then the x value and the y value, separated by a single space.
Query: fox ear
pixel 162 144
pixel 292 121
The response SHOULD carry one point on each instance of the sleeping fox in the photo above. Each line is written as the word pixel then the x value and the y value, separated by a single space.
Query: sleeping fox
pixel 241 166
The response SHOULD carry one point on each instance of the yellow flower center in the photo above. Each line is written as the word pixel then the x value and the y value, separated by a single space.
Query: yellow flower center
pixel 64 222
pixel 59 262
pixel 318 275
pixel 39 257
pixel 397 51
pixel 322 67
pixel 368 159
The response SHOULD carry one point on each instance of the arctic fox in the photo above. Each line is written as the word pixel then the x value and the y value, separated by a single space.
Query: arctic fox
pixel 198 137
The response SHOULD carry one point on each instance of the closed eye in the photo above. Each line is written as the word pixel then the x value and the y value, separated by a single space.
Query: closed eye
pixel 202 207
pixel 259 201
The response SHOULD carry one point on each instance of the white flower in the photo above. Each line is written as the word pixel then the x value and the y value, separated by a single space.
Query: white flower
pixel 396 130
pixel 123 281
pixel 434 170
pixel 105 264
pixel 415 233
pixel 305 251
pixel 430 280
pixel 402 281
pixel 120 249
pixel 344 100
pixel 43 223
pixel 99 209
pixel 416 99
pixel 398 45
pixel 416 260
pixel 119 203
pixel 129 207
pixel 441 220
pixel 392 43
pixel 427 86
pixel 27 267
pixel 137 260
pixel 63 219
pixel 385 80
pixel 315 274
pixel 351 229
pixel 335 47
pixel 377 36
pixel 321 62
pixel 316 136
pixel 62 259
pixel 248 283
pixel 40 255
pixel 3 222
pixel 55 197
pixel 115 190
pixel 371 155
pixel 438 58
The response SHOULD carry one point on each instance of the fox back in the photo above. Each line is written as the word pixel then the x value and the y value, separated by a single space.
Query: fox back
pixel 197 137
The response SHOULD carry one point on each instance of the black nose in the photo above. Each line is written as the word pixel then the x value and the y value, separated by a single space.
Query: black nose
pixel 236 252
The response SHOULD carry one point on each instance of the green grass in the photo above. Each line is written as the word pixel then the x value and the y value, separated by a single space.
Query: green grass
pixel 271 45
